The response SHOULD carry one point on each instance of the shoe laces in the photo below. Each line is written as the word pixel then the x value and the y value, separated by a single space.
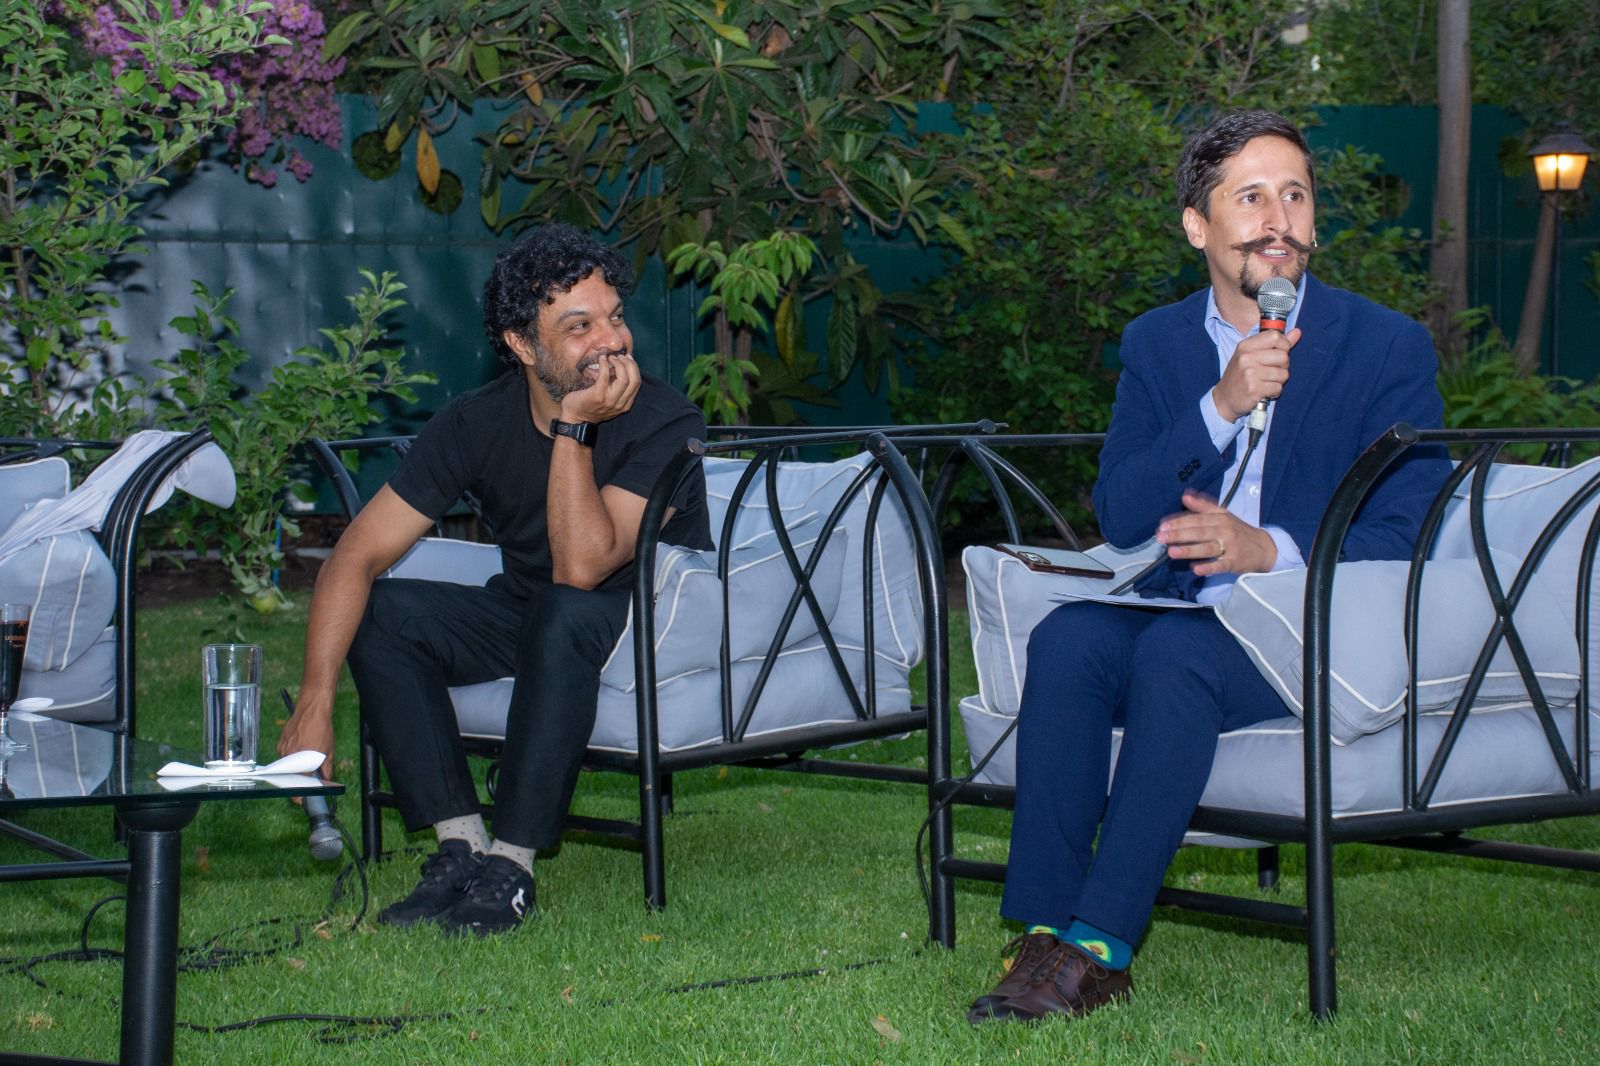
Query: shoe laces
pixel 494 880
pixel 1064 955
pixel 444 866
pixel 1023 947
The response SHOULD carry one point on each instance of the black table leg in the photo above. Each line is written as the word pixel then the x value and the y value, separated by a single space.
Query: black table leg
pixel 150 943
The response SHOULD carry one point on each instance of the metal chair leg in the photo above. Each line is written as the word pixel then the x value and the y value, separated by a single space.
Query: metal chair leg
pixel 1267 868
pixel 371 814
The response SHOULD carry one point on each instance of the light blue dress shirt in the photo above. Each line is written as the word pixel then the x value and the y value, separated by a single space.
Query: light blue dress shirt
pixel 1246 504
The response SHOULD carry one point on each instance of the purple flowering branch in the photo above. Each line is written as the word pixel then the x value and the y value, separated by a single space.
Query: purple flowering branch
pixel 285 86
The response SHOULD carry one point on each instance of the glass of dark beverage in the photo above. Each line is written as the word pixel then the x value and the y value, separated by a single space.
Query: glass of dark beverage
pixel 13 642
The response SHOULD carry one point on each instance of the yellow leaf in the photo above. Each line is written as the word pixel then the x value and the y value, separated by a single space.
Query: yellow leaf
pixel 395 136
pixel 535 91
pixel 427 162
pixel 885 1030
pixel 650 938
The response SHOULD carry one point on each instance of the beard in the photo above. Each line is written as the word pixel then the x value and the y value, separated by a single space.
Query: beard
pixel 557 380
pixel 1291 268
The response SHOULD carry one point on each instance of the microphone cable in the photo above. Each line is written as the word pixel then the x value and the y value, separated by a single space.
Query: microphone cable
pixel 1244 463
pixel 1256 428
pixel 1275 300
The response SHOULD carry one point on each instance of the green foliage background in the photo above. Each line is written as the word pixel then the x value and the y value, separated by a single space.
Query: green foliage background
pixel 1067 193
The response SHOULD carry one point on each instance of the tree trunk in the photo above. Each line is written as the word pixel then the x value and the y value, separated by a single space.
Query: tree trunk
pixel 1530 330
pixel 1448 262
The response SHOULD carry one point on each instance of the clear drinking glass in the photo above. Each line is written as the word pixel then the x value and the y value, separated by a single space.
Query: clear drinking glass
pixel 13 644
pixel 232 705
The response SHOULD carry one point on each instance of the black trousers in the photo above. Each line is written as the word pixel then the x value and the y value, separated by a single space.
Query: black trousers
pixel 418 638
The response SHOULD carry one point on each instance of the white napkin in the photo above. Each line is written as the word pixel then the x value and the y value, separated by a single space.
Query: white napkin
pixel 176 784
pixel 301 762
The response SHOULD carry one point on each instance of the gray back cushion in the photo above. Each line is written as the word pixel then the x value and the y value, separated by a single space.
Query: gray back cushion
pixel 24 484
pixel 1369 673
pixel 1005 600
pixel 814 488
pixel 689 602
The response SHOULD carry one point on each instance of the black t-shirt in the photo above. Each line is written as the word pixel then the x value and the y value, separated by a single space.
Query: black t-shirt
pixel 484 442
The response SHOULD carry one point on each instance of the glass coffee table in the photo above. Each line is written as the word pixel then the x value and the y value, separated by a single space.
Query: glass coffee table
pixel 67 765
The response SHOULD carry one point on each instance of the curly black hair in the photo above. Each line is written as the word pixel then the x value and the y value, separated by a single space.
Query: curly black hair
pixel 1200 166
pixel 542 264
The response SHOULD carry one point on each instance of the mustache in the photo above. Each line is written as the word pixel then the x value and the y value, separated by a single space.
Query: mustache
pixel 1251 247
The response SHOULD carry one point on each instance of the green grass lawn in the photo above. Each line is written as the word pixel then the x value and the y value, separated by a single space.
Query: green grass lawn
pixel 771 874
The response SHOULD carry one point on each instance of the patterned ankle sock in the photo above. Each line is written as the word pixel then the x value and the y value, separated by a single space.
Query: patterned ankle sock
pixel 468 827
pixel 1114 953
pixel 523 857
pixel 1052 930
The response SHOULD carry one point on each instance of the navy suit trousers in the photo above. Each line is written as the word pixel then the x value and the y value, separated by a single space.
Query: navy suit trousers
pixel 1173 680
pixel 418 638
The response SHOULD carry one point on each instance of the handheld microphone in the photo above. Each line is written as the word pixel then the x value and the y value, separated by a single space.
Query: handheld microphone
pixel 1275 299
pixel 324 843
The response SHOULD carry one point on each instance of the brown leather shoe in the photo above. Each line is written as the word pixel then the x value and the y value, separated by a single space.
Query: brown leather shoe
pixel 1031 949
pixel 1070 981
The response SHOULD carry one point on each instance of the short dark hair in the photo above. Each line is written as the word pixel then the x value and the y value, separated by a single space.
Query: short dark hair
pixel 542 264
pixel 1200 166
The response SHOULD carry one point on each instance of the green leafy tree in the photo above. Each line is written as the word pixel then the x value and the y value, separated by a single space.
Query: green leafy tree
pixel 684 123
pixel 322 391
pixel 757 274
pixel 82 139
pixel 1532 57
pixel 1363 249
pixel 1066 189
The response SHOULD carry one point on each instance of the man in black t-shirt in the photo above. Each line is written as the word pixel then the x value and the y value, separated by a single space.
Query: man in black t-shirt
pixel 560 452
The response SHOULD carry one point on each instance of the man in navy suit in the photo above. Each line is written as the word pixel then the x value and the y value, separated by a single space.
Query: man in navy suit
pixel 1341 372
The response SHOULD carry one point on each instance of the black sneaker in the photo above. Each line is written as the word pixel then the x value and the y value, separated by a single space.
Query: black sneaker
pixel 497 901
pixel 446 876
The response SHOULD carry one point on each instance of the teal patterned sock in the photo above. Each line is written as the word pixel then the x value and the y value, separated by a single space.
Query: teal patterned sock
pixel 1114 953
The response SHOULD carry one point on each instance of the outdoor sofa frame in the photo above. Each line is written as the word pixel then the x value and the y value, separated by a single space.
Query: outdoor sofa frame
pixel 764 448
pixel 118 537
pixel 1418 823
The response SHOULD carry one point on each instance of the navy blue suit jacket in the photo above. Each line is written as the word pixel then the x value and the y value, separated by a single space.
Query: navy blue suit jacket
pixel 1357 369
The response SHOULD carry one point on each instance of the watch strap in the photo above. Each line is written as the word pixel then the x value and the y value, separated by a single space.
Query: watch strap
pixel 582 432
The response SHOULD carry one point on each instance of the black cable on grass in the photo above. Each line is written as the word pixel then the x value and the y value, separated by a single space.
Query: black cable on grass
pixel 214 955
pixel 340 1028
pixel 760 979
pixel 376 1025
pixel 945 801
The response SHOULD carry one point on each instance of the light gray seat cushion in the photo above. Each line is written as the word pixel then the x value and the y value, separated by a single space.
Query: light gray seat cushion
pixel 71 587
pixel 1261 767
pixel 1501 751
pixel 803 687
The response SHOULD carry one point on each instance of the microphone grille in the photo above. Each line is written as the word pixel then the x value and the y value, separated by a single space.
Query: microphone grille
pixel 1276 297
pixel 325 843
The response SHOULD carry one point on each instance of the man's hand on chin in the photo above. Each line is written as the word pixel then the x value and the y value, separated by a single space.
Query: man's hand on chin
pixel 611 393
pixel 1214 540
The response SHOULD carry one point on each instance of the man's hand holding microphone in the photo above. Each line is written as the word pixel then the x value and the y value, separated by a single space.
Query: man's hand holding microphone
pixel 1255 376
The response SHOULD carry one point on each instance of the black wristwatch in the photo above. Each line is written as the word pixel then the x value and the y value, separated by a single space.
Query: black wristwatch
pixel 582 432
